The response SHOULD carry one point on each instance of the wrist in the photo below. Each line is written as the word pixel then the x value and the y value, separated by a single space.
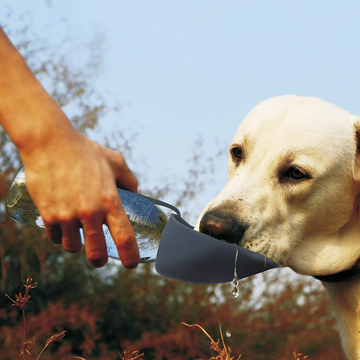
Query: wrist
pixel 32 118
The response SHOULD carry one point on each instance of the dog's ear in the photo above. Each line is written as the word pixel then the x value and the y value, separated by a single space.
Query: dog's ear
pixel 356 166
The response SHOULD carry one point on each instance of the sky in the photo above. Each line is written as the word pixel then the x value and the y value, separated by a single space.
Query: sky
pixel 184 68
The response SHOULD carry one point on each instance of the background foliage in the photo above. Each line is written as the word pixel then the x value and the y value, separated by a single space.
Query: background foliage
pixel 113 308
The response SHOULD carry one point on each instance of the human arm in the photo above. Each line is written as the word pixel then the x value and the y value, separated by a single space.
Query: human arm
pixel 71 179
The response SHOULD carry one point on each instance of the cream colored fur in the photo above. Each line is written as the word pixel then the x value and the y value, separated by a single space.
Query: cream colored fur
pixel 311 225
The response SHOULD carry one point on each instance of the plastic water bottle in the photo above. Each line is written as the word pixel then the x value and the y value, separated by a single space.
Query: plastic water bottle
pixel 148 220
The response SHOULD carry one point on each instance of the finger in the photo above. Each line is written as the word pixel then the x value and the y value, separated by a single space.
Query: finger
pixel 127 180
pixel 53 232
pixel 123 174
pixel 124 238
pixel 71 240
pixel 95 246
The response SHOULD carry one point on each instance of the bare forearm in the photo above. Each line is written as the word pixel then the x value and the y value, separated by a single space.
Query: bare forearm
pixel 25 107
pixel 71 179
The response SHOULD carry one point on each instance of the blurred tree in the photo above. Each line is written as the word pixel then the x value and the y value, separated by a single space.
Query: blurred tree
pixel 112 308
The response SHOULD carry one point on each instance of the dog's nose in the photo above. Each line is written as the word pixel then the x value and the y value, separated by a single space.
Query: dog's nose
pixel 222 227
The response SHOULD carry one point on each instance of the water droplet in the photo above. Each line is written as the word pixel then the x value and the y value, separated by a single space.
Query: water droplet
pixel 39 222
pixel 227 333
pixel 235 289
pixel 234 283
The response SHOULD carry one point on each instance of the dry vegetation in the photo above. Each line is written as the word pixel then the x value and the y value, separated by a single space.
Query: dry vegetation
pixel 21 300
pixel 222 351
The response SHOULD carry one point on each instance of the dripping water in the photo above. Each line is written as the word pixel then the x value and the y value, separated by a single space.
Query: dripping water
pixel 234 283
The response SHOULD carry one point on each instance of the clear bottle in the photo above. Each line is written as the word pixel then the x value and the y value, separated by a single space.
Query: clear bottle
pixel 147 219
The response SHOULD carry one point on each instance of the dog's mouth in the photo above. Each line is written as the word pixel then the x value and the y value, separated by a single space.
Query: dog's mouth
pixel 262 246
pixel 259 237
pixel 233 237
pixel 229 230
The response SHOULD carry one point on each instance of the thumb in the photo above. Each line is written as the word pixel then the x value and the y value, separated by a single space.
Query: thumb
pixel 124 177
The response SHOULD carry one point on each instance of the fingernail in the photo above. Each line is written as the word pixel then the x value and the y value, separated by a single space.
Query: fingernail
pixel 131 266
pixel 98 263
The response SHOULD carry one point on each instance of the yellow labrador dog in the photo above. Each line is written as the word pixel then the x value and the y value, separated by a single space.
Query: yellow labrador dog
pixel 293 195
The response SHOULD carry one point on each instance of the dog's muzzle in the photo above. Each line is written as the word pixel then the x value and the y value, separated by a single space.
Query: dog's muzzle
pixel 221 226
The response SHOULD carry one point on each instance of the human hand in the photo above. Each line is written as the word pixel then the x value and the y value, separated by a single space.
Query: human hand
pixel 72 181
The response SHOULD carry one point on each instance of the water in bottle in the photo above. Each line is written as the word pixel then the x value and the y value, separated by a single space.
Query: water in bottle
pixel 148 220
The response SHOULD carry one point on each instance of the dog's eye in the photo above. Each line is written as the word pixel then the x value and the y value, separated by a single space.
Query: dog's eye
pixel 236 152
pixel 295 174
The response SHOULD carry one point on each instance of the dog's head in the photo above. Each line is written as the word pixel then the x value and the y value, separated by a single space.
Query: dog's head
pixel 294 179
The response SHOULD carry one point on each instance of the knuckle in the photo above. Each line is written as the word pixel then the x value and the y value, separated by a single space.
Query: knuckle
pixel 87 215
pixel 64 218
pixel 111 199
pixel 49 219
pixel 126 243
pixel 119 158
